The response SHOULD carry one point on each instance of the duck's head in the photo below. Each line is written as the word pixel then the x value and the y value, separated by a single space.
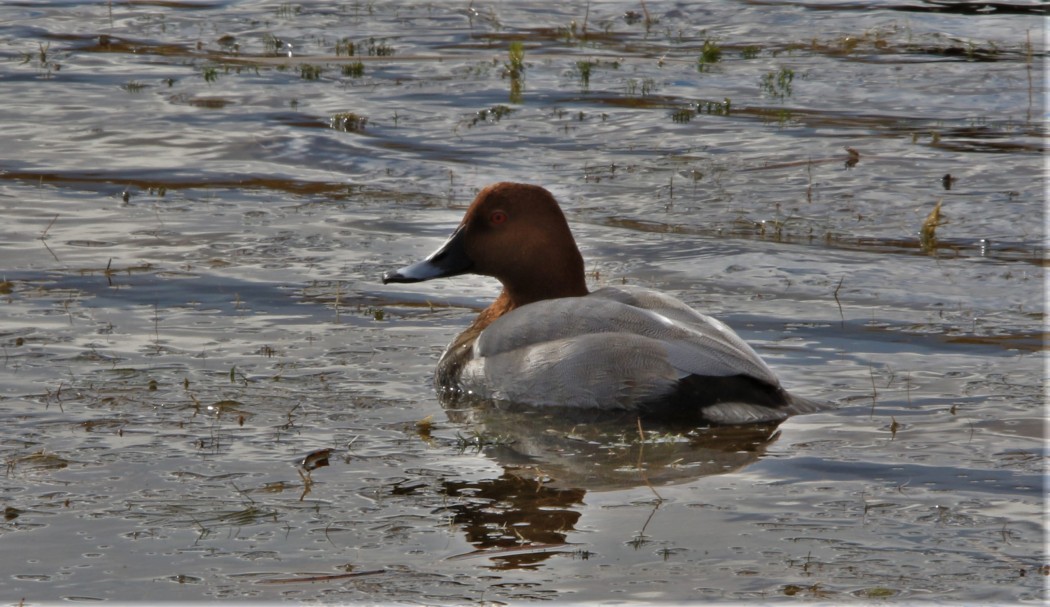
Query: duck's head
pixel 516 233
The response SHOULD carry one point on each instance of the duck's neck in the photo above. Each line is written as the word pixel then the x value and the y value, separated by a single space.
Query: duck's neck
pixel 515 297
pixel 510 299
pixel 503 304
pixel 564 277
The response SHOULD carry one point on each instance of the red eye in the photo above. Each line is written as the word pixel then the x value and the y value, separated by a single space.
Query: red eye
pixel 497 217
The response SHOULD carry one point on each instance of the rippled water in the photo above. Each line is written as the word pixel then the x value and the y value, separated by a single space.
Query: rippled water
pixel 198 200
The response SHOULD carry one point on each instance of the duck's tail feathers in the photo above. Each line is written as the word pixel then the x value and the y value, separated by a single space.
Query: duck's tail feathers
pixel 798 405
pixel 750 413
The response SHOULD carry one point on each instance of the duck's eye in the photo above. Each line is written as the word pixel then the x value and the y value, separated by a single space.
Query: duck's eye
pixel 497 217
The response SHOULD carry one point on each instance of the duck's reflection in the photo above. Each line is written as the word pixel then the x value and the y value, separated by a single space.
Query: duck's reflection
pixel 516 521
pixel 551 459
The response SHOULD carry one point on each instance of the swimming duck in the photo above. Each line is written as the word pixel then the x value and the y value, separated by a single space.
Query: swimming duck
pixel 547 341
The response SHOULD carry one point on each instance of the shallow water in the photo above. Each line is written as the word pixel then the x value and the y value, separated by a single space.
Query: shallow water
pixel 194 226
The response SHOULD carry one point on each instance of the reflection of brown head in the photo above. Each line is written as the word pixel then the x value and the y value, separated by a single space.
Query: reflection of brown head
pixel 512 512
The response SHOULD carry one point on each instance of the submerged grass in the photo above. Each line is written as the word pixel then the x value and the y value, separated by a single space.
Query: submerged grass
pixel 777 85
pixel 134 87
pixel 354 70
pixel 492 114
pixel 310 72
pixel 710 54
pixel 37 461
pixel 514 69
pixel 583 69
pixel 928 232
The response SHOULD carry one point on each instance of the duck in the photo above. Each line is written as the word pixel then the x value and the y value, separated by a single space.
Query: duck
pixel 548 341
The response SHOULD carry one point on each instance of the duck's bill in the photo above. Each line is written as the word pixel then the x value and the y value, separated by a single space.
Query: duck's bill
pixel 449 260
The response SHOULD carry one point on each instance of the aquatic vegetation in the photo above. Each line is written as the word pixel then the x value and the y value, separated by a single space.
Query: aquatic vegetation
pixel 37 461
pixel 928 232
pixel 878 592
pixel 210 73
pixel 345 46
pixel 425 427
pixel 750 52
pixel 309 71
pixel 514 69
pixel 492 114
pixel 814 590
pixel 477 440
pixel 287 9
pixel 348 122
pixel 583 69
pixel 715 108
pixel 649 20
pixel 44 61
pixel 378 48
pixel 354 70
pixel 229 43
pixel 778 84
pixel 515 66
pixel 272 44
pixel 642 88
pixel 852 157
pixel 710 54
pixel 315 459
pixel 371 47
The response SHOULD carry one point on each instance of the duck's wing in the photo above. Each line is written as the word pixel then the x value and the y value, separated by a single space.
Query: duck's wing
pixel 630 349
pixel 711 330
pixel 601 351
pixel 692 343
pixel 594 370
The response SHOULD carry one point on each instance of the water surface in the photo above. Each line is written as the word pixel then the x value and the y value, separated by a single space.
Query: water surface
pixel 198 200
